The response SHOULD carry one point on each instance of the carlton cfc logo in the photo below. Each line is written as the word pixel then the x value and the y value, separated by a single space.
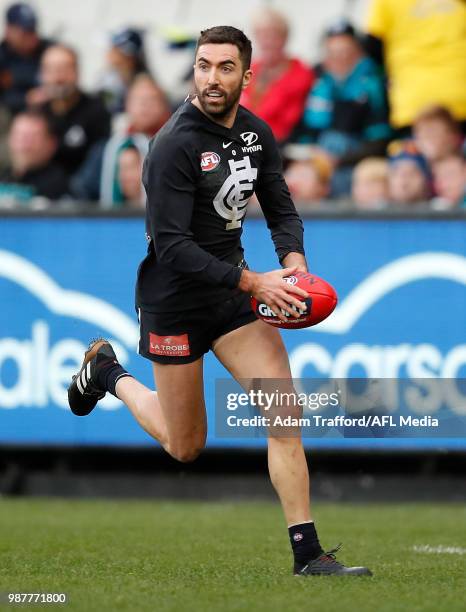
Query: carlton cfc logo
pixel 209 161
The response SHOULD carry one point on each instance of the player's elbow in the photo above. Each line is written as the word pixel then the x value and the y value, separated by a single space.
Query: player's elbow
pixel 164 254
pixel 166 250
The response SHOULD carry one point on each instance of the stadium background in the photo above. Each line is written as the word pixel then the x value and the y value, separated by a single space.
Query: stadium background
pixel 45 253
pixel 93 21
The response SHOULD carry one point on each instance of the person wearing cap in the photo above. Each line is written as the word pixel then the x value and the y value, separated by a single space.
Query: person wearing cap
pixel 408 175
pixel 20 53
pixel 346 113
pixel 126 59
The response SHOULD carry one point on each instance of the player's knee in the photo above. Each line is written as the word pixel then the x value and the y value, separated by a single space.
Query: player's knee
pixel 186 453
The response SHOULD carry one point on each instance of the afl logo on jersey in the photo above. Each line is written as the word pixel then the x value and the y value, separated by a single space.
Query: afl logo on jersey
pixel 209 161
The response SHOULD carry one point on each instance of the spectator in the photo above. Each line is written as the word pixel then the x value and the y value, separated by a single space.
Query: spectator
pixel 450 182
pixel 32 172
pixel 147 110
pixel 20 53
pixel 126 59
pixel 370 184
pixel 129 176
pixel 408 175
pixel 436 133
pixel 424 48
pixel 307 175
pixel 280 83
pixel 79 119
pixel 5 121
pixel 346 113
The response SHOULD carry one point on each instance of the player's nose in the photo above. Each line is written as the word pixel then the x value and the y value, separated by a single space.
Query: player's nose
pixel 212 76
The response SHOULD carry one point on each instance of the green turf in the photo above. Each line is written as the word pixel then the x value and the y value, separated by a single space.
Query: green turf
pixel 130 555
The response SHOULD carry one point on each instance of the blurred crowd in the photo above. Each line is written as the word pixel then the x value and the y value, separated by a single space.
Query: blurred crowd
pixel 378 123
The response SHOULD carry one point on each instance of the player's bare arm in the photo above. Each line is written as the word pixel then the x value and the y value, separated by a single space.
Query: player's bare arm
pixel 295 260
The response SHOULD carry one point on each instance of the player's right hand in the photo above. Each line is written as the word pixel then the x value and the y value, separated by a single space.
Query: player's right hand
pixel 271 289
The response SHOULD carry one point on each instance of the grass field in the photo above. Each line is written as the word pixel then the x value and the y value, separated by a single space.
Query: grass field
pixel 130 555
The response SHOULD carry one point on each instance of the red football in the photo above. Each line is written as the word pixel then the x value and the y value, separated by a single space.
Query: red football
pixel 319 305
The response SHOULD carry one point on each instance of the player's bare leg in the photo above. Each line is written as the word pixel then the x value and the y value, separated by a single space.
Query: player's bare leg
pixel 256 350
pixel 174 415
pixel 182 421
pixel 144 406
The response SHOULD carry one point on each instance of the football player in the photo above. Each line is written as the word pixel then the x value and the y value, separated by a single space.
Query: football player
pixel 193 288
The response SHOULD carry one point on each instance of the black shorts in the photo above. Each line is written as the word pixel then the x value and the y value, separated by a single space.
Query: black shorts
pixel 183 337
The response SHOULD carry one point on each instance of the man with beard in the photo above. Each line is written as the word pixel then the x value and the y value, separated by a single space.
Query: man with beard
pixel 193 286
pixel 79 120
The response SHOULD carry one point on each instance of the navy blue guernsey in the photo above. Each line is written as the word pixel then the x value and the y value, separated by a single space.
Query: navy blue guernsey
pixel 198 178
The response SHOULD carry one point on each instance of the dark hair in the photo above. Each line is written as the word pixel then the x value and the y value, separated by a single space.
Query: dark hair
pixel 220 35
pixel 438 113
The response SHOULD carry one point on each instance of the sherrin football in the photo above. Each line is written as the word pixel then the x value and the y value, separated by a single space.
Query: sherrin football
pixel 319 305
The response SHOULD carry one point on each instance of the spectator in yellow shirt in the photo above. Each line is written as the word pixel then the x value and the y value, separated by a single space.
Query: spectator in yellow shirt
pixel 424 51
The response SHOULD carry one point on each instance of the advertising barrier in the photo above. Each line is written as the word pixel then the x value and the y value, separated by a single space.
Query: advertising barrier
pixel 401 315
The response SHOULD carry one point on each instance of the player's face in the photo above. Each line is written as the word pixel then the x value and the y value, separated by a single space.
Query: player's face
pixel 219 78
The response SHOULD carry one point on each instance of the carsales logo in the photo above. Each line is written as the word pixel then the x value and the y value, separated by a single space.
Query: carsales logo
pixel 209 161
pixel 43 368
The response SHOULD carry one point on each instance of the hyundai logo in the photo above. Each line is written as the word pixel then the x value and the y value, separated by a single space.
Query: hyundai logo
pixel 249 138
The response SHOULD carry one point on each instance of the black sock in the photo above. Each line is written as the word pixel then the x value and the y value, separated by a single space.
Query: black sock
pixel 108 376
pixel 304 542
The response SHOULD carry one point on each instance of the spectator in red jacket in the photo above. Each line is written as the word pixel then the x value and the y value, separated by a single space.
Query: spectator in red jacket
pixel 280 83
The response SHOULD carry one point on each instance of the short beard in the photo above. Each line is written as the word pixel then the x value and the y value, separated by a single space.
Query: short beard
pixel 61 92
pixel 231 100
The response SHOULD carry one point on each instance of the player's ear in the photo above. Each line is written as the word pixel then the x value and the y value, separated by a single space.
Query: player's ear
pixel 247 76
